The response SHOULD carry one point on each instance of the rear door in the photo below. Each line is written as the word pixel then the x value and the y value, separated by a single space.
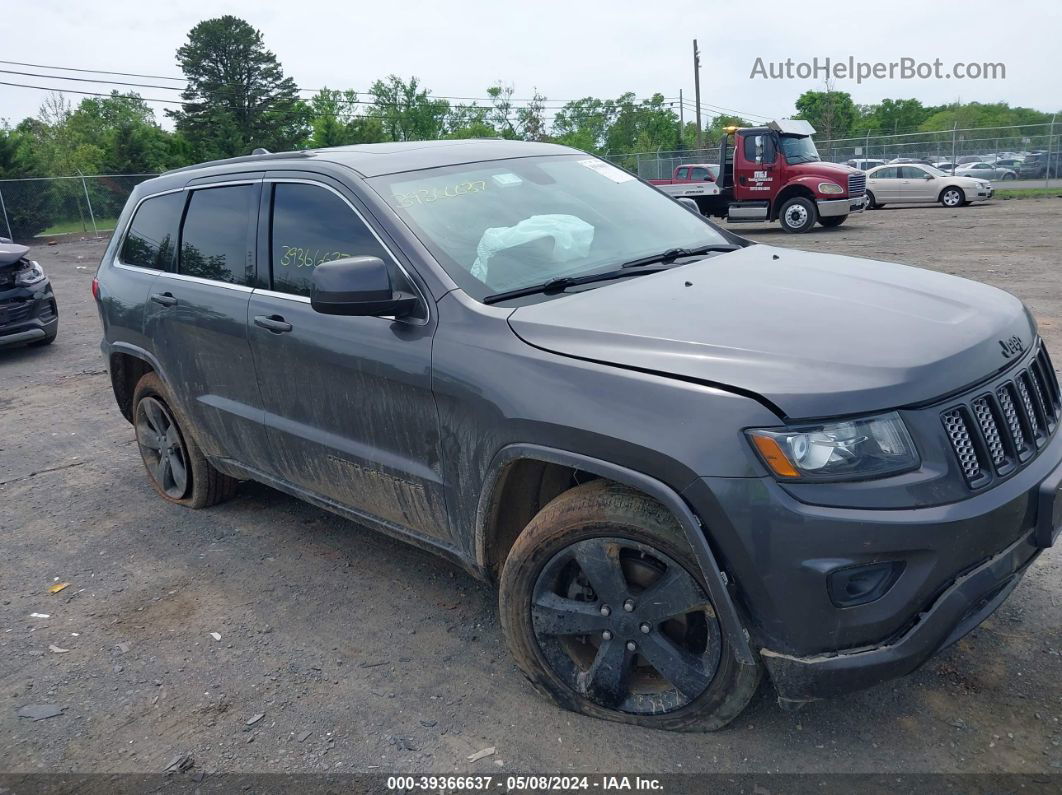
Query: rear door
pixel 884 184
pixel 349 409
pixel 197 319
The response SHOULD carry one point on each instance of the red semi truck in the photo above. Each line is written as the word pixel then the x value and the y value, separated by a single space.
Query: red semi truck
pixel 772 173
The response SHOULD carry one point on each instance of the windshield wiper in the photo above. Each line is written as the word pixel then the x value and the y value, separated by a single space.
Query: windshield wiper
pixel 562 283
pixel 673 254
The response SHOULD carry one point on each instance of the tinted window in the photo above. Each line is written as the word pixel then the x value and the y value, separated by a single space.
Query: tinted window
pixel 886 173
pixel 683 172
pixel 700 174
pixel 152 238
pixel 912 172
pixel 312 225
pixel 214 240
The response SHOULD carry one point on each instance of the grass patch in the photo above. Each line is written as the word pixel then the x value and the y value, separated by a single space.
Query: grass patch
pixel 75 227
pixel 1027 193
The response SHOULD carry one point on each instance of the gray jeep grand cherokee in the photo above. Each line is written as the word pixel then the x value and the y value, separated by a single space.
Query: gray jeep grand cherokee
pixel 683 457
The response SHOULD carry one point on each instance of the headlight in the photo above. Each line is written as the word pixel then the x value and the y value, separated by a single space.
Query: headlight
pixel 830 187
pixel 29 274
pixel 846 450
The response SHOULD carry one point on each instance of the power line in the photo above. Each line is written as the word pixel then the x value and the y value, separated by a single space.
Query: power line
pixel 90 93
pixel 93 71
pixel 90 80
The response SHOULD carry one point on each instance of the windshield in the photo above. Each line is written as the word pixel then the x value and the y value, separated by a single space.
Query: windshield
pixel 508 224
pixel 799 149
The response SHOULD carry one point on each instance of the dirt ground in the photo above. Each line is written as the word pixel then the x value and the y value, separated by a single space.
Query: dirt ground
pixel 362 654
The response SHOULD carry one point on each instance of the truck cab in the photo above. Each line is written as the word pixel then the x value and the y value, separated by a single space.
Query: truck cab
pixel 774 172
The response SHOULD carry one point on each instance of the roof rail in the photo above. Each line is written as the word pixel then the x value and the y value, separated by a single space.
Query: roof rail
pixel 257 156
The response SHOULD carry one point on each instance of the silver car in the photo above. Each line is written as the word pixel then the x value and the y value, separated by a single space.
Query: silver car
pixel 982 170
pixel 915 183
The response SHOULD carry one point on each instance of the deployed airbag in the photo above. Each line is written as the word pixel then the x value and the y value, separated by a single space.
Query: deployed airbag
pixel 572 238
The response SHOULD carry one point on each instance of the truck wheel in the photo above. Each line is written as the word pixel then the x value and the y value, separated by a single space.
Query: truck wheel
pixel 606 613
pixel 798 215
pixel 175 465
pixel 952 197
pixel 833 220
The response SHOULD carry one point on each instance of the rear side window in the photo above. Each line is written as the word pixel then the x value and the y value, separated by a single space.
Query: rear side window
pixel 215 239
pixel 152 238
pixel 312 225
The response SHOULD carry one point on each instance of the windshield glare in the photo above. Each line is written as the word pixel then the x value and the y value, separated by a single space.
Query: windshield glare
pixel 507 224
pixel 799 149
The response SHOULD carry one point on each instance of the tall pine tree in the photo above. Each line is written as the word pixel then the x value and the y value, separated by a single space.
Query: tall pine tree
pixel 237 96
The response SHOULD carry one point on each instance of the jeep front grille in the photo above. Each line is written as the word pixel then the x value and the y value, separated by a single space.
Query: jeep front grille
pixel 857 185
pixel 994 432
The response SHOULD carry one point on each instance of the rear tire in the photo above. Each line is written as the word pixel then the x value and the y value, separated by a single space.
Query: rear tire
pixel 833 220
pixel 798 215
pixel 629 544
pixel 176 467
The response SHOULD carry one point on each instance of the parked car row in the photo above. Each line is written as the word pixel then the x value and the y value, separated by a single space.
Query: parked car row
pixel 999 166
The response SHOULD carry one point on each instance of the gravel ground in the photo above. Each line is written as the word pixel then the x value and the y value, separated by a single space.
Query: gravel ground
pixel 341 650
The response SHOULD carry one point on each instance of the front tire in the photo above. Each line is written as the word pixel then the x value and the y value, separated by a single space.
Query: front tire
pixel 606 613
pixel 872 203
pixel 833 220
pixel 798 215
pixel 952 197
pixel 176 467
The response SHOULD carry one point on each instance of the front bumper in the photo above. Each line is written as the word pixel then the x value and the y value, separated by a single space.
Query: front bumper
pixel 833 207
pixel 979 194
pixel 960 561
pixel 27 314
pixel 971 599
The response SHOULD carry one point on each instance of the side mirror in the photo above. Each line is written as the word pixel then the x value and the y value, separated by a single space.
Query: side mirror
pixel 359 287
pixel 929 176
pixel 689 204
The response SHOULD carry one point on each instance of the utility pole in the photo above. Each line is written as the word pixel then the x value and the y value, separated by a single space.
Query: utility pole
pixel 682 120
pixel 697 90
pixel 1047 168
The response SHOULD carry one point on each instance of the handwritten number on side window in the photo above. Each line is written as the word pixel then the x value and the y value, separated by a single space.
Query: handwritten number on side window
pixel 299 257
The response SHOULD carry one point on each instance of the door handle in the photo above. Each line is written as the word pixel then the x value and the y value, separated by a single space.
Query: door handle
pixel 166 299
pixel 274 323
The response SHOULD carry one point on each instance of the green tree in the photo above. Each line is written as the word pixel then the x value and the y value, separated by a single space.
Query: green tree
pixel 337 122
pixel 237 96
pixel 407 112
pixel 831 113
pixel 29 205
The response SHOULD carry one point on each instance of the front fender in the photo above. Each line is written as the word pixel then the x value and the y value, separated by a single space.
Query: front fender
pixel 664 494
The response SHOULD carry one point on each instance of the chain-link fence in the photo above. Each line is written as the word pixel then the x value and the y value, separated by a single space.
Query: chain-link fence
pixel 1033 151
pixel 1013 143
pixel 83 204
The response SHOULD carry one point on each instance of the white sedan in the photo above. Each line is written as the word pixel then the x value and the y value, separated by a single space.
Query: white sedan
pixel 915 183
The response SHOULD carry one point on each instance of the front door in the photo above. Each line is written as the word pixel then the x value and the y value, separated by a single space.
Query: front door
pixel 348 404
pixel 885 185
pixel 755 166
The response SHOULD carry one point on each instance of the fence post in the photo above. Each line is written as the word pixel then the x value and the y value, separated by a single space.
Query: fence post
pixel 7 223
pixel 954 131
pixel 1050 146
pixel 88 201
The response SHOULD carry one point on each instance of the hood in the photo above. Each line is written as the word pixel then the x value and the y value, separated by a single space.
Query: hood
pixel 814 334
pixel 11 253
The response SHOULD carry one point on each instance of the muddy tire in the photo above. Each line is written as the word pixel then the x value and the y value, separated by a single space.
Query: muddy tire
pixel 175 465
pixel 605 610
pixel 798 215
